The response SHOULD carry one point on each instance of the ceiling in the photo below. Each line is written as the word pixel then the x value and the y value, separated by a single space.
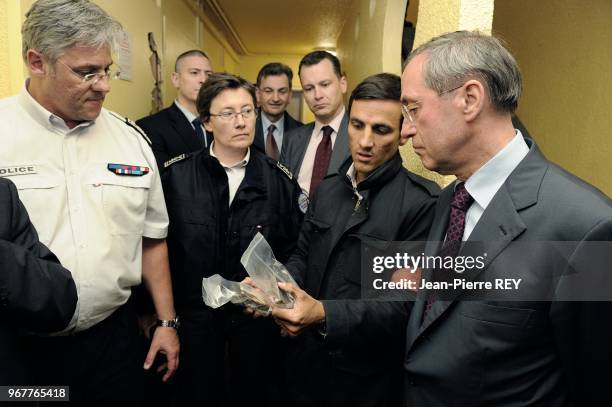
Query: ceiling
pixel 288 27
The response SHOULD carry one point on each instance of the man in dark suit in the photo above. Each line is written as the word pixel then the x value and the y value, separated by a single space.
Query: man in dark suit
pixel 373 197
pixel 176 129
pixel 273 97
pixel 502 348
pixel 36 293
pixel 319 148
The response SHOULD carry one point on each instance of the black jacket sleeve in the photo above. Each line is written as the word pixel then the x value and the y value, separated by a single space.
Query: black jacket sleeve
pixel 36 292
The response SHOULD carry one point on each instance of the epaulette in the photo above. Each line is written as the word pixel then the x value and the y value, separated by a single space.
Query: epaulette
pixel 175 160
pixel 133 126
pixel 284 169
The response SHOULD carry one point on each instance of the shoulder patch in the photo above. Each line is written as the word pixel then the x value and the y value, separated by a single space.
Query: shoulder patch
pixel 133 125
pixel 174 160
pixel 285 170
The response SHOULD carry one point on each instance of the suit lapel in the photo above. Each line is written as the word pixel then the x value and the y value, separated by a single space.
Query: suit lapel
pixel 259 142
pixel 303 134
pixel 499 225
pixel 341 148
pixel 436 236
pixel 183 128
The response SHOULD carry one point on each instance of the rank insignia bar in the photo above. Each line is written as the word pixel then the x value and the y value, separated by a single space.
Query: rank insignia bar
pixel 124 169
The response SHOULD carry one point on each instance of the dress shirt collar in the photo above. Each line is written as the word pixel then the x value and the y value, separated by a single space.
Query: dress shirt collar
pixel 486 181
pixel 265 122
pixel 334 123
pixel 190 116
pixel 43 116
pixel 239 164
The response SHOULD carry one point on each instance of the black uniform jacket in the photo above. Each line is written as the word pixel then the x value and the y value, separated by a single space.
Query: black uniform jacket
pixel 207 236
pixel 36 293
pixel 397 205
pixel 171 134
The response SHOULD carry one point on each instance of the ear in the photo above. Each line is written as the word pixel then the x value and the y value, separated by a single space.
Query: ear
pixel 174 77
pixel 258 96
pixel 343 84
pixel 36 63
pixel 207 125
pixel 474 98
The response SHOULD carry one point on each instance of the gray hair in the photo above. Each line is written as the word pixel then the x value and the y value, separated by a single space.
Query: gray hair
pixel 54 25
pixel 456 57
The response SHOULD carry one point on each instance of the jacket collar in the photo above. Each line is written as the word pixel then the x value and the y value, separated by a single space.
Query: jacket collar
pixel 379 177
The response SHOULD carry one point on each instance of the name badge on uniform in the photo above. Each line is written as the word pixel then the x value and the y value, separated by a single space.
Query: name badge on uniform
pixel 18 170
pixel 126 169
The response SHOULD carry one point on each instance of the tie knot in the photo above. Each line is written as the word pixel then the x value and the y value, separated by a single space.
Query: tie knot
pixel 327 131
pixel 462 198
pixel 271 129
pixel 196 122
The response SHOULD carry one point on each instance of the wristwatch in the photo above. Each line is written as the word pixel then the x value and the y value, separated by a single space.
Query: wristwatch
pixel 169 323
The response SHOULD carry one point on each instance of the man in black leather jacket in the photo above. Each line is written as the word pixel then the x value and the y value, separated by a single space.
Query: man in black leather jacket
pixel 372 198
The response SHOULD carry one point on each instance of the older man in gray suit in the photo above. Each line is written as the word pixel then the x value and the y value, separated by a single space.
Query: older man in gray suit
pixel 515 348
pixel 317 149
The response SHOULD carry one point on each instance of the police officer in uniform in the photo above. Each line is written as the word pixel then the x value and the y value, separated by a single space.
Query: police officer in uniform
pixel 217 200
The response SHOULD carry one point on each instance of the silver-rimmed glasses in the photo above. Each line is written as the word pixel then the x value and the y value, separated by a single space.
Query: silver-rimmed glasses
pixel 93 78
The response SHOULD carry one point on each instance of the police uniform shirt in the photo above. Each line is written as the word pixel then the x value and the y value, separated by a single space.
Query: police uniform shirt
pixel 88 213
pixel 235 172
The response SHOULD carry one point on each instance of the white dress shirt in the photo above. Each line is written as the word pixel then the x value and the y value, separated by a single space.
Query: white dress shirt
pixel 235 172
pixel 278 131
pixel 488 179
pixel 305 175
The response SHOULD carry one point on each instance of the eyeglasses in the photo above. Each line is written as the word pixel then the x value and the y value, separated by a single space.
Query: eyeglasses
pixel 411 110
pixel 94 77
pixel 246 113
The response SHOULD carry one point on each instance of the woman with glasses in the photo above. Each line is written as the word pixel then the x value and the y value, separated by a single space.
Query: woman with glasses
pixel 218 199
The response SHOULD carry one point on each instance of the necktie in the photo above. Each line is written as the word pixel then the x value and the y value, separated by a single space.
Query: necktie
pixel 321 161
pixel 199 132
pixel 454 232
pixel 271 147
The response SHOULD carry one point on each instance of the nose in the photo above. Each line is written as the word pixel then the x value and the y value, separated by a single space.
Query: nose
pixel 239 121
pixel 366 141
pixel 408 129
pixel 275 96
pixel 101 84
pixel 317 93
pixel 203 77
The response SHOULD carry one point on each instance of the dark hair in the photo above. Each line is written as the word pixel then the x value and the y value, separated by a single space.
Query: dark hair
pixel 382 86
pixel 190 53
pixel 274 69
pixel 217 83
pixel 317 56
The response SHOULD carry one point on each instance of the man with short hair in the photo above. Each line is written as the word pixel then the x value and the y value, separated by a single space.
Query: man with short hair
pixel 176 129
pixel 89 181
pixel 373 197
pixel 508 348
pixel 273 97
pixel 319 148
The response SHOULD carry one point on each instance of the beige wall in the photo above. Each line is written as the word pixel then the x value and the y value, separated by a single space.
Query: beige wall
pixel 175 27
pixel 565 53
pixel 370 41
